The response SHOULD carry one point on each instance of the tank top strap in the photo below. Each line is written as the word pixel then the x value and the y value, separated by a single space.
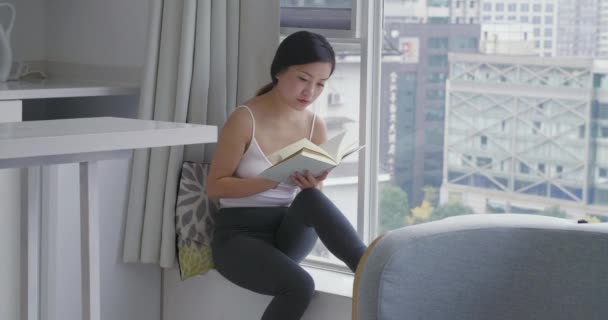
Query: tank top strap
pixel 252 121
pixel 312 128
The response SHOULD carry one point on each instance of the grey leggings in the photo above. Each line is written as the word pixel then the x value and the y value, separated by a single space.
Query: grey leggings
pixel 260 248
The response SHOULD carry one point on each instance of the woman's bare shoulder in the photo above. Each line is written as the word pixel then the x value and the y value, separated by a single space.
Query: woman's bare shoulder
pixel 239 116
pixel 239 124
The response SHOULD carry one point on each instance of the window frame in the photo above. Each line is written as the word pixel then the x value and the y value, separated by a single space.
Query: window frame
pixel 367 32
pixel 371 64
pixel 352 33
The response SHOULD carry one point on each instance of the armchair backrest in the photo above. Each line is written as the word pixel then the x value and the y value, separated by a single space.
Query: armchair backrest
pixel 502 266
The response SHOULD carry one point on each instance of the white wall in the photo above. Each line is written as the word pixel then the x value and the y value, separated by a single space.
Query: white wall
pixel 211 297
pixel 108 32
pixel 28 34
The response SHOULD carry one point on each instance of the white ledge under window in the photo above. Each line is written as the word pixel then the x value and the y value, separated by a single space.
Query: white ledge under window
pixel 331 281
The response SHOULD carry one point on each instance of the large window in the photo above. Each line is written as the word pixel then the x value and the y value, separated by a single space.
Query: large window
pixel 453 121
pixel 342 185
pixel 463 147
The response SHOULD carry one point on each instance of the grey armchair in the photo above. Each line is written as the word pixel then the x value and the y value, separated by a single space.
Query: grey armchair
pixel 474 267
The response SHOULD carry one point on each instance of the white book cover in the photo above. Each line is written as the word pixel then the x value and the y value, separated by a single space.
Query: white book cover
pixel 304 155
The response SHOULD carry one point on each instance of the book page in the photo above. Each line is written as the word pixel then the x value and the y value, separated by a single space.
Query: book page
pixel 348 149
pixel 334 145
pixel 339 148
pixel 292 149
pixel 351 151
pixel 321 156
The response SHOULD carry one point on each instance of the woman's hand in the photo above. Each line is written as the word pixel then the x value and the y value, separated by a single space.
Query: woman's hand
pixel 307 180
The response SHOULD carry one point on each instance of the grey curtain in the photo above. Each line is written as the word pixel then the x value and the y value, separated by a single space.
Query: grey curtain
pixel 204 57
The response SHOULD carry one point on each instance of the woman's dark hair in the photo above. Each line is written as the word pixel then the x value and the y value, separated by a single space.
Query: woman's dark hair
pixel 301 47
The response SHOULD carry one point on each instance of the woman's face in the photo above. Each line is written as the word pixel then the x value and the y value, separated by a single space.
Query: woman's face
pixel 300 85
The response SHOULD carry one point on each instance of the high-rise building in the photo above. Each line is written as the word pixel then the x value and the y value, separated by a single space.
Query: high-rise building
pixel 464 11
pixel 542 14
pixel 433 11
pixel 577 28
pixel 517 39
pixel 602 34
pixel 418 11
pixel 526 133
pixel 413 105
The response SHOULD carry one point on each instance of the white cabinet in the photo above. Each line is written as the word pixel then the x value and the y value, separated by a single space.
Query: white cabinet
pixel 128 291
pixel 10 226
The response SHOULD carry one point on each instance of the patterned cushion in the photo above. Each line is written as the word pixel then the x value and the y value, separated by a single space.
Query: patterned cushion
pixel 194 221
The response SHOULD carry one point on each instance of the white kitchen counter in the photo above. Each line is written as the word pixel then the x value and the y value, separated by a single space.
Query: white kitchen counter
pixel 34 139
pixel 62 88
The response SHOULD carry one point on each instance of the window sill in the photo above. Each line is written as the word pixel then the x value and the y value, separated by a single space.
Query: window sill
pixel 331 281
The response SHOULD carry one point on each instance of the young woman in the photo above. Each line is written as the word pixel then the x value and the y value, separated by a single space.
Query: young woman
pixel 265 229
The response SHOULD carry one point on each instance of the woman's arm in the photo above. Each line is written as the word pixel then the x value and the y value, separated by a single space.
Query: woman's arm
pixel 233 140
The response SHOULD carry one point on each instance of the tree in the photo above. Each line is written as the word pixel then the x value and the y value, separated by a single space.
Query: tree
pixel 431 194
pixel 420 214
pixel 450 209
pixel 394 207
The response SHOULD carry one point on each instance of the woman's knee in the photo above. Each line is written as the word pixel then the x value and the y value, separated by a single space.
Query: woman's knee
pixel 300 284
pixel 310 195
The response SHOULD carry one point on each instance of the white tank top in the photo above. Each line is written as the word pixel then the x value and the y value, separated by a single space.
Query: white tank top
pixel 253 162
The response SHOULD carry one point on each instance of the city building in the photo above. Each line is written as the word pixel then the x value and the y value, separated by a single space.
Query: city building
pixel 413 100
pixel 527 133
pixel 433 11
pixel 577 28
pixel 516 39
pixel 464 11
pixel 417 11
pixel 602 34
pixel 542 14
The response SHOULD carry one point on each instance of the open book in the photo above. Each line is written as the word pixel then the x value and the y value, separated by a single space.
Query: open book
pixel 304 155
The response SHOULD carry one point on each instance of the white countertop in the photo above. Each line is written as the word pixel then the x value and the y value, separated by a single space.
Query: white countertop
pixel 85 135
pixel 57 88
